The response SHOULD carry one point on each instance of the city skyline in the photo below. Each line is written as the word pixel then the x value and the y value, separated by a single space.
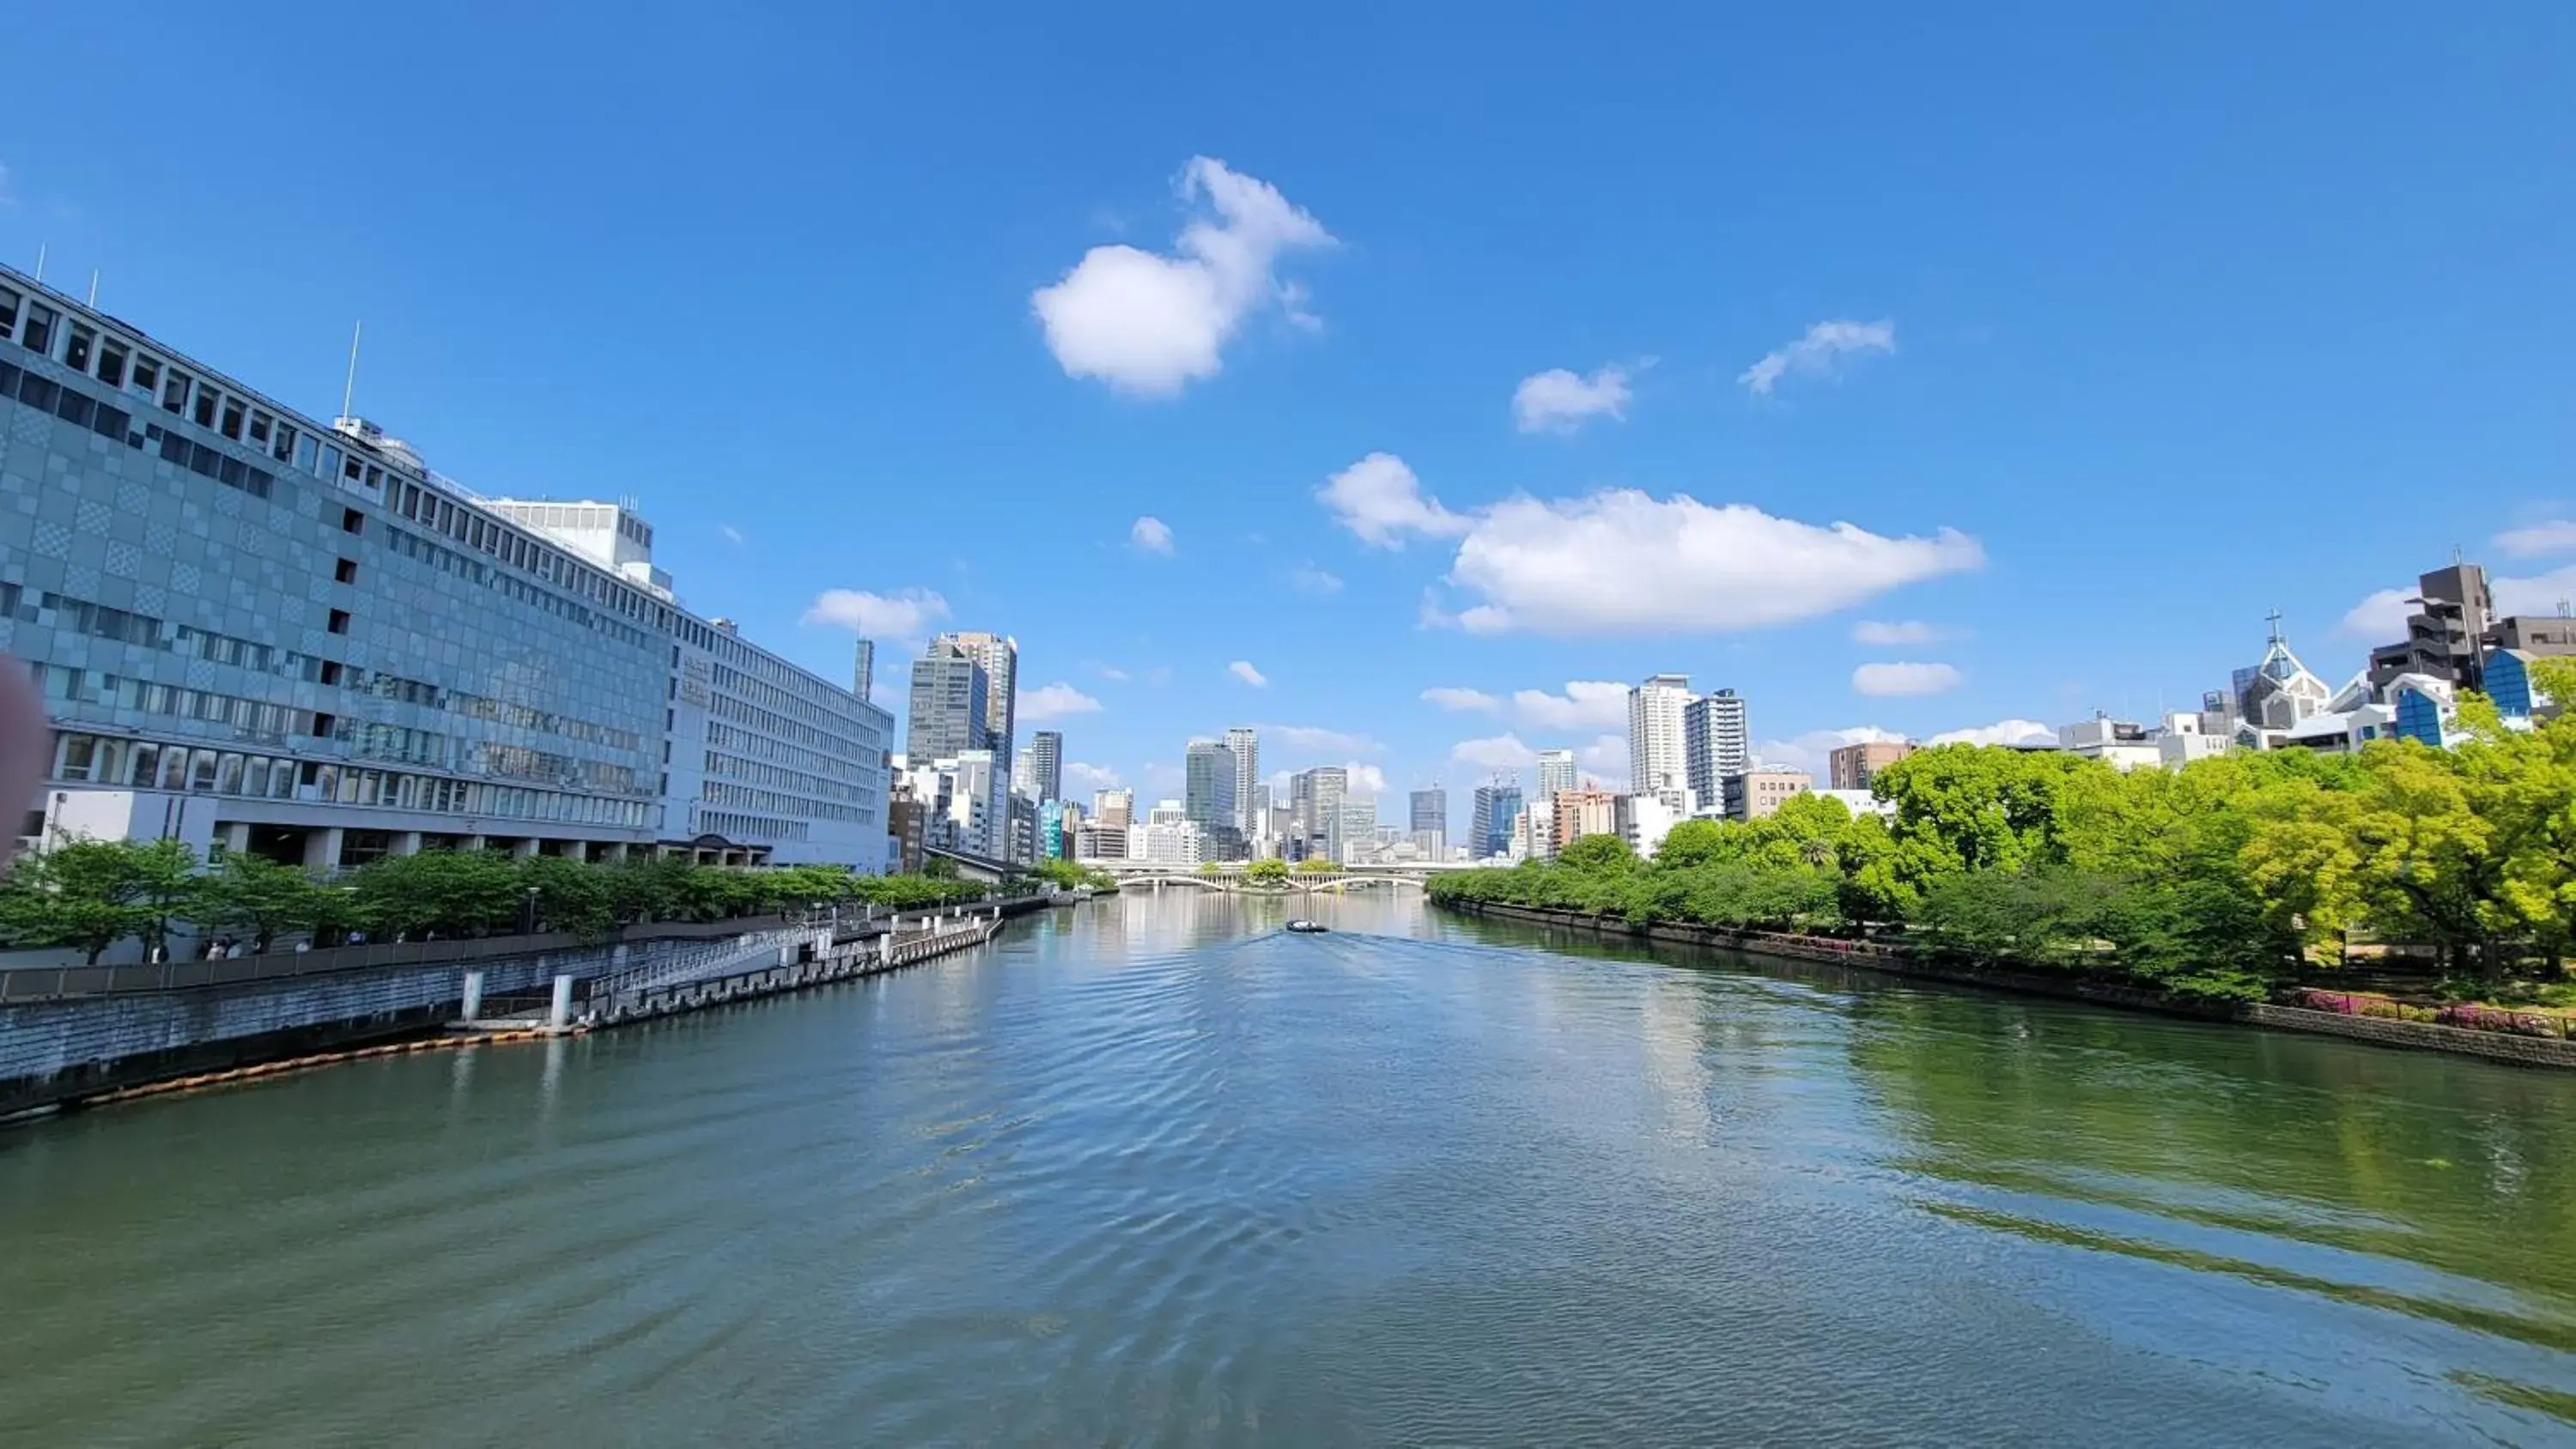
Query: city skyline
pixel 1314 510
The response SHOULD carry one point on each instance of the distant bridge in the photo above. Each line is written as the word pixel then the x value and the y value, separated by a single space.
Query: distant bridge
pixel 1245 885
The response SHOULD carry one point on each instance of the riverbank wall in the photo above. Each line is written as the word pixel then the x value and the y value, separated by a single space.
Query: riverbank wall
pixel 108 1036
pixel 2516 1050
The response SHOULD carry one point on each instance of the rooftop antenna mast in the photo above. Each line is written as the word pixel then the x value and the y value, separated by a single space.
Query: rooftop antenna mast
pixel 93 288
pixel 349 389
pixel 40 261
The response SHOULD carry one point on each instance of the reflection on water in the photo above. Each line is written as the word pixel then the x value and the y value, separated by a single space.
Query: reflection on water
pixel 1154 1171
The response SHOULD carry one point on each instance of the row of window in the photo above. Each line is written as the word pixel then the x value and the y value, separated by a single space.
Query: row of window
pixel 110 421
pixel 414 547
pixel 754 799
pixel 727 707
pixel 735 767
pixel 144 764
pixel 125 626
pixel 744 742
pixel 730 648
pixel 468 525
pixel 787 701
pixel 248 719
pixel 520 762
pixel 749 827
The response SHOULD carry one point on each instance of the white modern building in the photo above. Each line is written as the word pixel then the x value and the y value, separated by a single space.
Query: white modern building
pixel 1657 761
pixel 256 629
pixel 1556 771
pixel 1717 742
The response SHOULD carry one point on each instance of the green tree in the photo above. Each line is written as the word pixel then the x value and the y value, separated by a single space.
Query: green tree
pixel 1270 870
pixel 1598 853
pixel 438 892
pixel 91 894
pixel 257 896
pixel 1317 865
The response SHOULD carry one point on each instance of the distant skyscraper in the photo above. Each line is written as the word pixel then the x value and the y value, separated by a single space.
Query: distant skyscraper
pixel 1246 745
pixel 1208 785
pixel 1046 765
pixel 1556 772
pixel 1316 799
pixel 1489 826
pixel 863 669
pixel 999 654
pixel 1717 741
pixel 950 695
pixel 1655 757
pixel 1430 810
pixel 1114 807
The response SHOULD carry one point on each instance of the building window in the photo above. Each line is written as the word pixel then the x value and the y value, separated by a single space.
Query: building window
pixel 259 426
pixel 339 621
pixel 8 312
pixel 38 336
pixel 352 521
pixel 345 572
pixel 174 392
pixel 84 342
pixel 331 673
pixel 111 364
pixel 78 752
pixel 232 423
pixel 147 375
pixel 322 724
pixel 282 447
pixel 207 400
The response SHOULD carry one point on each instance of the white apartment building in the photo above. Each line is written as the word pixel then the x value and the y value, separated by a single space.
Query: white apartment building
pixel 1657 761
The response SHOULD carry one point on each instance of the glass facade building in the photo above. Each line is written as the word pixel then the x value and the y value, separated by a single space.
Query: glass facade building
pixel 256 630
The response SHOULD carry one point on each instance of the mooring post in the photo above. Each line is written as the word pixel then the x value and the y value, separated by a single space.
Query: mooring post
pixel 559 1013
pixel 473 996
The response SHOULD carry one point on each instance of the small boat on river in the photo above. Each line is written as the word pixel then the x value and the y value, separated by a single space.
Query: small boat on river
pixel 1308 928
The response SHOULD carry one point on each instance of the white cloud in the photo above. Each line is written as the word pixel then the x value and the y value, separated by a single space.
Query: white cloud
pixel 1242 669
pixel 1149 323
pixel 1905 631
pixel 1497 752
pixel 1309 579
pixel 1622 562
pixel 2556 536
pixel 1089 777
pixel 900 615
pixel 1816 354
pixel 732 534
pixel 1313 739
pixel 1586 704
pixel 1379 499
pixel 1559 401
pixel 1053 701
pixel 1365 779
pixel 1150 534
pixel 2001 732
pixel 1606 756
pixel 1451 697
pixel 2381 618
pixel 1896 679
pixel 1111 672
pixel 1808 752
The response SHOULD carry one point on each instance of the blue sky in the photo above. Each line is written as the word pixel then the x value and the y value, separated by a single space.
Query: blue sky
pixel 2104 333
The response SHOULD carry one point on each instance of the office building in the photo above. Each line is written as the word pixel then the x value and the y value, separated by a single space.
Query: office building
pixel 256 630
pixel 1427 817
pixel 1556 772
pixel 1493 810
pixel 1245 745
pixel 1046 765
pixel 1644 821
pixel 1315 797
pixel 1358 828
pixel 863 670
pixel 950 705
pixel 1208 784
pixel 1717 742
pixel 1578 813
pixel 1758 794
pixel 1852 767
pixel 1114 807
pixel 907 821
pixel 2122 744
pixel 1095 841
pixel 1656 761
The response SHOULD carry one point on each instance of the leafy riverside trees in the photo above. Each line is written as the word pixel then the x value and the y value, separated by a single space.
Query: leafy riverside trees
pixel 91 894
pixel 2217 880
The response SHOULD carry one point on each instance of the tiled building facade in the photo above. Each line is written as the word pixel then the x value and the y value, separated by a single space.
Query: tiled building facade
pixel 256 630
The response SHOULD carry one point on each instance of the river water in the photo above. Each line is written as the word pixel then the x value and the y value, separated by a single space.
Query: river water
pixel 1153 1172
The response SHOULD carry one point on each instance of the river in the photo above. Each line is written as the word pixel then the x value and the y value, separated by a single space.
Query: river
pixel 1152 1171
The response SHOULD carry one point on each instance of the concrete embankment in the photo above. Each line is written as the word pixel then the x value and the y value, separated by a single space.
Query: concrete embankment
pixel 2495 1046
pixel 97 1041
